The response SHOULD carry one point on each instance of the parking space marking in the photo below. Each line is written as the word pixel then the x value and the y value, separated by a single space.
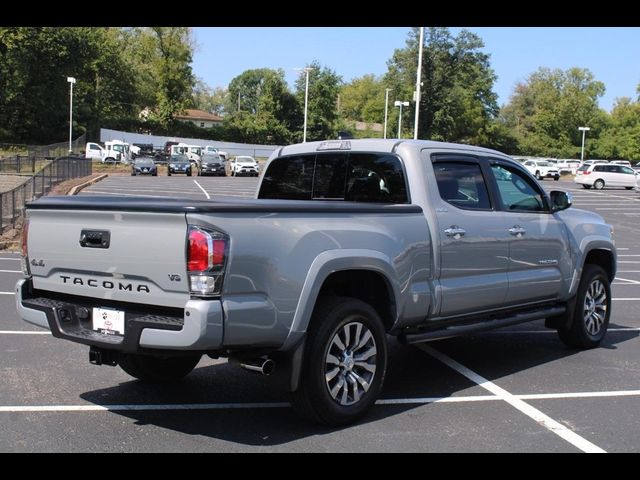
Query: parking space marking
pixel 257 405
pixel 7 293
pixel 18 332
pixel 626 299
pixel 203 190
pixel 127 194
pixel 544 420
pixel 113 408
pixel 551 396
pixel 10 258
pixel 10 271
pixel 631 282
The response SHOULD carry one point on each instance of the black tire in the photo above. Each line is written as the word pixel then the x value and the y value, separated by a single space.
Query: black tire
pixel 586 187
pixel 556 178
pixel 592 310
pixel 168 173
pixel 156 369
pixel 154 174
pixel 189 173
pixel 133 174
pixel 538 176
pixel 598 184
pixel 332 317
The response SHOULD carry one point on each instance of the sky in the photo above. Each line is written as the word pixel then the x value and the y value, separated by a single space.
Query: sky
pixel 612 54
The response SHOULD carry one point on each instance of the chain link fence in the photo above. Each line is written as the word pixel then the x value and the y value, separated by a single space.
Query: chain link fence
pixel 54 150
pixel 13 201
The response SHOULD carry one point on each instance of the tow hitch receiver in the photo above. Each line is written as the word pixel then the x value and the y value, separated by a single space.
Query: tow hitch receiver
pixel 98 356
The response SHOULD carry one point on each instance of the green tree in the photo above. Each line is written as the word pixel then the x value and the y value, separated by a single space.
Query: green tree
pixel 209 99
pixel 34 98
pixel 546 110
pixel 363 99
pixel 322 115
pixel 621 138
pixel 269 112
pixel 457 99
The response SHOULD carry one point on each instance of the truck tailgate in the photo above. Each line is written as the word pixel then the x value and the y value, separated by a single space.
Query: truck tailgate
pixel 142 259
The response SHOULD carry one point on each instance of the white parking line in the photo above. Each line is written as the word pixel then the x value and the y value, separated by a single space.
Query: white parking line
pixel 10 271
pixel 625 299
pixel 7 293
pixel 248 406
pixel 18 332
pixel 10 258
pixel 632 282
pixel 203 190
pixel 544 420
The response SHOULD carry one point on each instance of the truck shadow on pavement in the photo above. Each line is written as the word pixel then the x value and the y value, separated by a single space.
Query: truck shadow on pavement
pixel 523 363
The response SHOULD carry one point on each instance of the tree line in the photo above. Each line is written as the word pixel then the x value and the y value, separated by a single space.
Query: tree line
pixel 139 79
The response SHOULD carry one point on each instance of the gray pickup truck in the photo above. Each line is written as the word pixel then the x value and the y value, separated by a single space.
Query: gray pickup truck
pixel 346 242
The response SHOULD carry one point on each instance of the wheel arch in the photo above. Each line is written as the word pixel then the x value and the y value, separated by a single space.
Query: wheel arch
pixel 364 274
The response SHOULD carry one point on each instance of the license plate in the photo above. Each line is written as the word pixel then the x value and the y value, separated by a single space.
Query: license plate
pixel 108 321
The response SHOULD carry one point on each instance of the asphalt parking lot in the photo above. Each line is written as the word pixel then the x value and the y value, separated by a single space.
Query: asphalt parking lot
pixel 512 390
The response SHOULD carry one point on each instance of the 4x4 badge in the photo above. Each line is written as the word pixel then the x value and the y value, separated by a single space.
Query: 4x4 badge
pixel 37 263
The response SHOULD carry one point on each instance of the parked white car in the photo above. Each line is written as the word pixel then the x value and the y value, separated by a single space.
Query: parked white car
pixel 542 169
pixel 599 175
pixel 243 165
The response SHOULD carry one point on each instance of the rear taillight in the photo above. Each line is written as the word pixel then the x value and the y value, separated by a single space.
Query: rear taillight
pixel 206 259
pixel 25 254
pixel 586 173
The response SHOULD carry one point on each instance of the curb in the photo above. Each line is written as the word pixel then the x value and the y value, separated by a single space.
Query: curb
pixel 77 188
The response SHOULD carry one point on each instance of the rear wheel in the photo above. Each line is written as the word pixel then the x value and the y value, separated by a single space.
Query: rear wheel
pixel 344 363
pixel 156 369
pixel 592 310
pixel 598 184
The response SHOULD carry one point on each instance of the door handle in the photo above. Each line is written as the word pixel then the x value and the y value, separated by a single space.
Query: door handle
pixel 517 230
pixel 455 231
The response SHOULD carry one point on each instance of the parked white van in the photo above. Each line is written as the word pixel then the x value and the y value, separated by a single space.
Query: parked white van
pixel 599 175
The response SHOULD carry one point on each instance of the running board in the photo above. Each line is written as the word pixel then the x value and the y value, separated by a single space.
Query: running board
pixel 454 331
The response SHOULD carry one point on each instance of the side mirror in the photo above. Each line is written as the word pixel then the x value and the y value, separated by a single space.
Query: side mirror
pixel 560 200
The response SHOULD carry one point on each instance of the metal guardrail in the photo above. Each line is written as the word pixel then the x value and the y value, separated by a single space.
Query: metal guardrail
pixel 64 168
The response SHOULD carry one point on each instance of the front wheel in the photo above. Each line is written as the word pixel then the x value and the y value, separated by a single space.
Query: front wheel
pixel 344 364
pixel 538 176
pixel 157 369
pixel 592 310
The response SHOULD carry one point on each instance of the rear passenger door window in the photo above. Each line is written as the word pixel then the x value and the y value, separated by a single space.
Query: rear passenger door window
pixel 461 184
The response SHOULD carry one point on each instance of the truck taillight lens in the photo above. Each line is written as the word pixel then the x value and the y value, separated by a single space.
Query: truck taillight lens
pixel 206 260
pixel 25 254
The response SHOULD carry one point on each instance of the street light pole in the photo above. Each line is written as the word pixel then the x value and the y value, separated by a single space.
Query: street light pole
pixel 418 85
pixel 400 104
pixel 584 131
pixel 306 100
pixel 71 81
pixel 386 106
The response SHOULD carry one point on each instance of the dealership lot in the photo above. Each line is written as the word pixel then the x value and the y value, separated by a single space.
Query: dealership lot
pixel 515 389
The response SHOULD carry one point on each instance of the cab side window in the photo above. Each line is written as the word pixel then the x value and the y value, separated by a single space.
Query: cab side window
pixel 517 192
pixel 462 185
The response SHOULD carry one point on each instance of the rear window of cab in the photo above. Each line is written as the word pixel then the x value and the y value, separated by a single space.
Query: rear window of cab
pixel 357 177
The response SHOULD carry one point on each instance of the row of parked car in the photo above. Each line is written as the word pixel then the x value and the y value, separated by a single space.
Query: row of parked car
pixel 208 164
pixel 590 173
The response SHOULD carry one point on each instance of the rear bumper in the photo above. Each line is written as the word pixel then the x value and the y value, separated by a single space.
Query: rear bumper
pixel 197 327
